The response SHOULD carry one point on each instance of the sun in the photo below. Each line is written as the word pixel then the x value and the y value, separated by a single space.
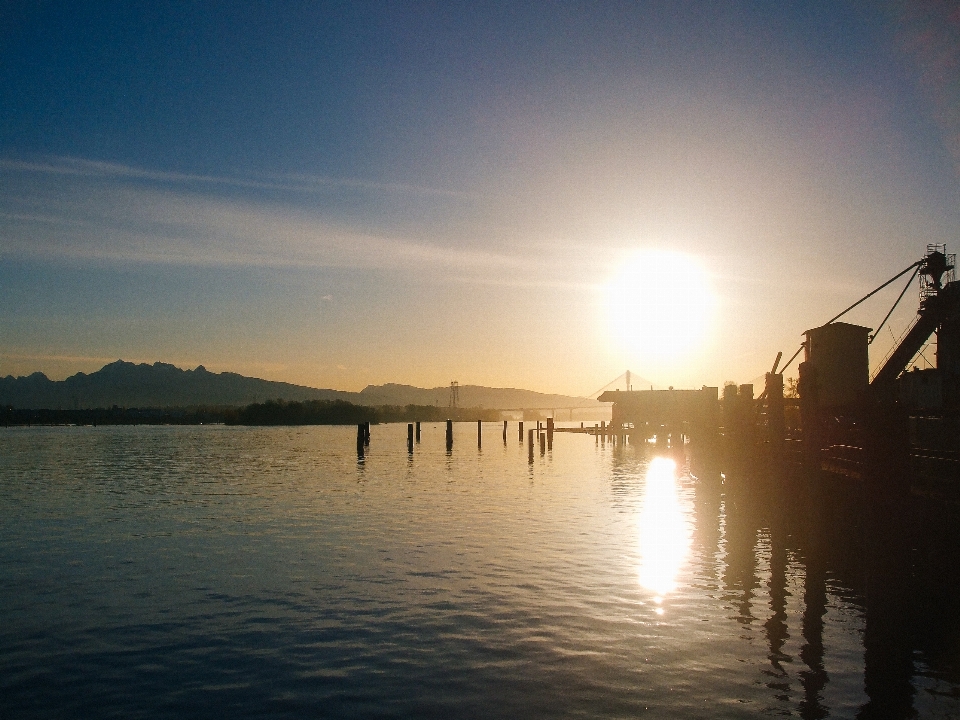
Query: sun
pixel 659 305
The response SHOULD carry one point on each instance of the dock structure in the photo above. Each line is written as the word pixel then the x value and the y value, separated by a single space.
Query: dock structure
pixel 837 417
pixel 894 429
pixel 842 417
pixel 664 413
pixel 862 426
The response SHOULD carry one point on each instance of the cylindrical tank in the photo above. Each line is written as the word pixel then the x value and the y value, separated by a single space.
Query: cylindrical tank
pixel 838 353
pixel 948 360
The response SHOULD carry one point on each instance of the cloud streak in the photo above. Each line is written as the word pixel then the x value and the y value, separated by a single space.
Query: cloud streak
pixel 80 167
pixel 99 212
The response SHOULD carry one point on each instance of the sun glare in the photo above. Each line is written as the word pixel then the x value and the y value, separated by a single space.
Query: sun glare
pixel 663 535
pixel 659 305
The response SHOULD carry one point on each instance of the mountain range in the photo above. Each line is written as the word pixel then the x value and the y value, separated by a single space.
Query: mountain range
pixel 126 384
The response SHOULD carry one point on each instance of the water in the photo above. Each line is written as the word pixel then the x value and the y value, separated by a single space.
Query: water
pixel 253 572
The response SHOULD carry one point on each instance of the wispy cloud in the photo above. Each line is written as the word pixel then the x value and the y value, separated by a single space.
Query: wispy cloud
pixel 70 208
pixel 79 167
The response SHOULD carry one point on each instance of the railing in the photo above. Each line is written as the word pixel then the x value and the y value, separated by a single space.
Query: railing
pixel 893 348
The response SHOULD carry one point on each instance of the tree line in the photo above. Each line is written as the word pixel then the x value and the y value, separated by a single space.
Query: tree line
pixel 271 412
pixel 341 412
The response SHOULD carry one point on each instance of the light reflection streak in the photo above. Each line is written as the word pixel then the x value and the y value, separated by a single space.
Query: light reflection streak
pixel 664 538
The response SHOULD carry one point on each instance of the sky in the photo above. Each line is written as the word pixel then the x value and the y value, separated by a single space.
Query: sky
pixel 536 195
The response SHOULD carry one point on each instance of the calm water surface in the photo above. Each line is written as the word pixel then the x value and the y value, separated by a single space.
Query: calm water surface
pixel 251 572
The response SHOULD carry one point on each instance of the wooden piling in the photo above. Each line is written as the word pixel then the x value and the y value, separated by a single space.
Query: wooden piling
pixel 521 431
pixel 810 425
pixel 543 443
pixel 747 416
pixel 449 435
pixel 418 431
pixel 530 444
pixel 504 432
pixel 410 438
pixel 550 433
pixel 776 430
pixel 479 434
pixel 366 433
pixel 361 438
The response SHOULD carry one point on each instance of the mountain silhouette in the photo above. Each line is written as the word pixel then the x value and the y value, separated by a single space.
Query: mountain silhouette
pixel 160 385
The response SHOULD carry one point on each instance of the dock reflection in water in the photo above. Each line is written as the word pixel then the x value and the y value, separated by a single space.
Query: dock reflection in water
pixel 853 587
pixel 165 572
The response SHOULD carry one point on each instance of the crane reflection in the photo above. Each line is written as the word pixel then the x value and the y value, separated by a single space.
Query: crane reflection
pixel 663 533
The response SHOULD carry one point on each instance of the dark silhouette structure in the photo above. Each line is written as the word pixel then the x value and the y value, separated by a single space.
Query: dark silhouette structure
pixel 664 413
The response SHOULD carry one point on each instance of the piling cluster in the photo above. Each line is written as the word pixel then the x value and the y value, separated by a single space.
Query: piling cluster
pixel 542 435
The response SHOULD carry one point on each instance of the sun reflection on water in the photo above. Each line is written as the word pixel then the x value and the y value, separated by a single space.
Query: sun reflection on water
pixel 663 534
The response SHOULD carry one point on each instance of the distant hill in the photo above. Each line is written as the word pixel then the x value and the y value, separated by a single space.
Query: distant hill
pixel 160 385
pixel 470 396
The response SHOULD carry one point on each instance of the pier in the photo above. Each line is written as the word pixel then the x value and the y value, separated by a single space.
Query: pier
pixel 900 430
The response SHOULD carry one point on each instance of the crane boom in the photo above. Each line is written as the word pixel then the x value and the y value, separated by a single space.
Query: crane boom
pixel 933 312
pixel 906 350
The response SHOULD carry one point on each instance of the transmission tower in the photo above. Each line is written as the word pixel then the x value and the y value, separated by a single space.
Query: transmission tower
pixel 454 394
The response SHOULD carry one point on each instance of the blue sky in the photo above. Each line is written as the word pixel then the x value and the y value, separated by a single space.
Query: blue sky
pixel 338 194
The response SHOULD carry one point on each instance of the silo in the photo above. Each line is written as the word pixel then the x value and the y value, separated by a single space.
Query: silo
pixel 838 352
pixel 948 360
